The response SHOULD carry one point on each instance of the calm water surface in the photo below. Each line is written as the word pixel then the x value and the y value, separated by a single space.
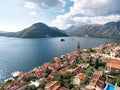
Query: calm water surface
pixel 25 54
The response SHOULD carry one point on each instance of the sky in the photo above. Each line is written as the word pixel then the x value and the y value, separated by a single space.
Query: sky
pixel 15 15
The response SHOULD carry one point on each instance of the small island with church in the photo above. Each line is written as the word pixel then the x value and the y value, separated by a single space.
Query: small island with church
pixel 95 68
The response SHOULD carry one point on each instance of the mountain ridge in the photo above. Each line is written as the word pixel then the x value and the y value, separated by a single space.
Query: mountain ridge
pixel 108 30
pixel 41 30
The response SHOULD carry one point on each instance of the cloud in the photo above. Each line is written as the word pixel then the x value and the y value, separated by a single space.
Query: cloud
pixel 30 5
pixel 95 7
pixel 64 22
pixel 33 13
pixel 89 12
pixel 45 4
pixel 96 20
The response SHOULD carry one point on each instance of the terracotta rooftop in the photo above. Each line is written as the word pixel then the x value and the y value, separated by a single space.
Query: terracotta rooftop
pixel 93 81
pixel 85 55
pixel 96 75
pixel 101 82
pixel 53 85
pixel 75 53
pixel 64 70
pixel 96 48
pixel 113 63
pixel 90 89
pixel 54 65
pixel 63 88
pixel 78 69
pixel 81 76
pixel 21 74
pixel 45 65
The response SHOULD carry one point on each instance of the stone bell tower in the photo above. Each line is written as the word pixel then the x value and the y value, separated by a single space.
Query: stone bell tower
pixel 78 46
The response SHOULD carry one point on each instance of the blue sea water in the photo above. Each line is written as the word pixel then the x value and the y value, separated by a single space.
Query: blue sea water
pixel 24 54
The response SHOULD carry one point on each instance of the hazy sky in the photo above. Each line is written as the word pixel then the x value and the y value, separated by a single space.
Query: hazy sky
pixel 16 15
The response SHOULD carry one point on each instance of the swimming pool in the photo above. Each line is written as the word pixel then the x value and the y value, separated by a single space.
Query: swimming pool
pixel 110 87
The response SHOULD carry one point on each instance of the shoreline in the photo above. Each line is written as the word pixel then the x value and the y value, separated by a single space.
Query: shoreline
pixel 62 61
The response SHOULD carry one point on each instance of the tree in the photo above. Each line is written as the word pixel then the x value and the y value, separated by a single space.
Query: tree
pixel 96 64
pixel 48 71
pixel 31 87
pixel 111 81
pixel 30 78
pixel 65 79
pixel 90 62
pixel 42 86
pixel 52 61
pixel 89 50
pixel 73 65
pixel 79 60
pixel 80 57
pixel 76 87
pixel 118 81
pixel 85 81
pixel 70 85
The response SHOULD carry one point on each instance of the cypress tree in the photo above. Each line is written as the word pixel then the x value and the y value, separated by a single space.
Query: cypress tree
pixel 96 65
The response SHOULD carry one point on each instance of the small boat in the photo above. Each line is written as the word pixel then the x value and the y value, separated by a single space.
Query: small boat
pixel 62 39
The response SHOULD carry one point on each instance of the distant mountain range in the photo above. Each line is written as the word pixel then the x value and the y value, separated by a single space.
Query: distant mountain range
pixel 40 30
pixel 7 34
pixel 108 30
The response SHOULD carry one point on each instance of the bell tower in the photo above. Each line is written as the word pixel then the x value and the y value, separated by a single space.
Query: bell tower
pixel 78 46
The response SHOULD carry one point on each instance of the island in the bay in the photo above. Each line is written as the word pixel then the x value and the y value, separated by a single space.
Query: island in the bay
pixel 95 68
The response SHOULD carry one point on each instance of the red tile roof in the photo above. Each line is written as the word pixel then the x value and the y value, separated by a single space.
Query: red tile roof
pixel 21 74
pixel 113 63
pixel 97 73
pixel 45 65
pixel 63 88
pixel 81 76
pixel 78 69
pixel 65 70
pixel 53 85
pixel 94 80
pixel 90 89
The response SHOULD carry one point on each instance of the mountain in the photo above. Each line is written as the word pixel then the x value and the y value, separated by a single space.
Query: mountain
pixel 40 30
pixel 108 30
pixel 7 34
